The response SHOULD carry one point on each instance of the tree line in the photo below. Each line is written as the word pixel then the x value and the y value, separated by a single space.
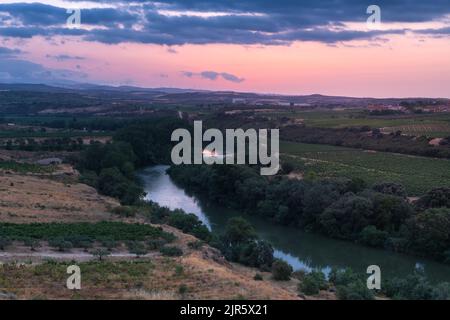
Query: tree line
pixel 378 216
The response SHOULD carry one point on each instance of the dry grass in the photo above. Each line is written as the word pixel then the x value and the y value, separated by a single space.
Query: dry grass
pixel 27 199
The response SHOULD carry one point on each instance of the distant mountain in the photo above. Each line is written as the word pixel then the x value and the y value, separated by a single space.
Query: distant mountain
pixel 89 86
pixel 194 96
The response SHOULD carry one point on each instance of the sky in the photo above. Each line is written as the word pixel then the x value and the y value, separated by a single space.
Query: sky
pixel 332 47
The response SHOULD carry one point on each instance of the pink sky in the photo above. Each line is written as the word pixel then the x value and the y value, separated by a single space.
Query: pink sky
pixel 410 64
pixel 401 67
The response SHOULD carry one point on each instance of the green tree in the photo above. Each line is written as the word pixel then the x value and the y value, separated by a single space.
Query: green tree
pixel 428 232
pixel 281 270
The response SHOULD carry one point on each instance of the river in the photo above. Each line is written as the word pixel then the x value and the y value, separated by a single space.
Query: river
pixel 304 251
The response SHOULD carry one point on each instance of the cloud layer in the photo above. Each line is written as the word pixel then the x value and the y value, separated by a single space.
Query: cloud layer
pixel 177 22
pixel 213 75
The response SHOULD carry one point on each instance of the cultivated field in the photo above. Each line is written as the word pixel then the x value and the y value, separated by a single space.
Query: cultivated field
pixel 436 130
pixel 431 125
pixel 417 174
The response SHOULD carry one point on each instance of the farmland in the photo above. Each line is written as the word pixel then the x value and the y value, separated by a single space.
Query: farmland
pixel 417 174
pixel 431 125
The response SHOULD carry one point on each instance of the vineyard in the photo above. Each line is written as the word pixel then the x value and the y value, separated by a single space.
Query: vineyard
pixel 116 231
pixel 417 174
pixel 429 130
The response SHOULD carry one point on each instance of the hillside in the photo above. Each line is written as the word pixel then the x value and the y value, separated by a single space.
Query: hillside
pixel 40 272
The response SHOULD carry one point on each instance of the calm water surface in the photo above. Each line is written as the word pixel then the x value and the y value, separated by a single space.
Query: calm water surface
pixel 304 251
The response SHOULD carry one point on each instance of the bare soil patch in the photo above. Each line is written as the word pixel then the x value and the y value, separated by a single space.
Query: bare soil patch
pixel 27 199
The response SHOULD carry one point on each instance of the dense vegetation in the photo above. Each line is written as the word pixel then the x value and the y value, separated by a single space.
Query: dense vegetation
pixel 94 231
pixel 238 243
pixel 378 216
pixel 352 286
pixel 110 167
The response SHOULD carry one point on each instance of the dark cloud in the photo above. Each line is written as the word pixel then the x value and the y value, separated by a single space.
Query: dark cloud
pixel 64 57
pixel 22 71
pixel 241 22
pixel 7 52
pixel 213 75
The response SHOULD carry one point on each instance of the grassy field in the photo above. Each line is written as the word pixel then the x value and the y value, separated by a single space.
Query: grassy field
pixel 417 174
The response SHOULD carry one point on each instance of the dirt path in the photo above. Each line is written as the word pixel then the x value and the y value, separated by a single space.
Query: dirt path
pixel 65 256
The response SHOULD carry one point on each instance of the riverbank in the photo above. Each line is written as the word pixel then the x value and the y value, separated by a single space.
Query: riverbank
pixel 304 251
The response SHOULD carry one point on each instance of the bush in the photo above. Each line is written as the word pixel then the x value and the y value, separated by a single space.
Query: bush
pixel 413 287
pixel 61 244
pixel 281 270
pixel 356 290
pixel 391 188
pixel 436 198
pixel 156 244
pixel 4 242
pixel 100 253
pixel 258 254
pixel 427 233
pixel 239 230
pixel 258 277
pixel 171 251
pixel 373 237
pixel 109 243
pixel 312 283
pixel 138 248
pixel 196 245
pixel 32 243
pixel 189 223
pixel 125 211
pixel 182 289
pixel 350 286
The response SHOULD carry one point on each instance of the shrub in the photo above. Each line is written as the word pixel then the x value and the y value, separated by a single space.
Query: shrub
pixel 196 245
pixel 350 286
pixel 436 198
pixel 138 248
pixel 61 244
pixel 239 230
pixel 427 233
pixel 373 237
pixel 109 243
pixel 281 270
pixel 32 243
pixel 413 287
pixel 182 289
pixel 312 283
pixel 179 270
pixel 356 290
pixel 189 223
pixel 171 251
pixel 156 244
pixel 390 188
pixel 258 254
pixel 125 211
pixel 258 277
pixel 100 253
pixel 4 242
